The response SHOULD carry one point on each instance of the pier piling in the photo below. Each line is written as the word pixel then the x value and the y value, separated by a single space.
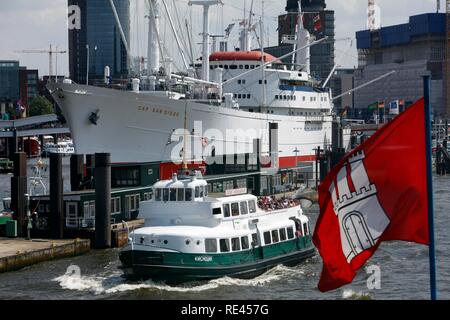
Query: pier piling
pixel 56 196
pixel 102 200
pixel 76 172
pixel 18 191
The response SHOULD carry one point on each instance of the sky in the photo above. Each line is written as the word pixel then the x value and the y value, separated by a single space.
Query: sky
pixel 32 24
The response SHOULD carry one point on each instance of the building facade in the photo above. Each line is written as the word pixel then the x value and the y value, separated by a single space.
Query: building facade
pixel 343 81
pixel 98 40
pixel 9 81
pixel 320 23
pixel 413 49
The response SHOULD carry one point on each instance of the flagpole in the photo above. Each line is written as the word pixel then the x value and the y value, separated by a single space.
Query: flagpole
pixel 431 248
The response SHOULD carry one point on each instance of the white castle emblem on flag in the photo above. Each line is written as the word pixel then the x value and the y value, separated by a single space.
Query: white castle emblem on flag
pixel 362 220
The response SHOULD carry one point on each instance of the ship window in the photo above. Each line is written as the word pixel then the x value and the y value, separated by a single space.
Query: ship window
pixel 158 195
pixel 226 67
pixel 252 66
pixel 241 66
pixel 206 190
pixel 197 192
pixel 180 194
pixel 188 194
pixel 244 243
pixel 267 239
pixel 235 244
pixel 252 206
pixel 275 236
pixel 255 242
pixel 305 228
pixel 211 245
pixel 165 194
pixel 235 209
pixel 226 210
pixel 244 208
pixel 276 97
pixel 173 194
pixel 249 96
pixel 201 191
pixel 233 67
pixel 283 234
pixel 224 245
pixel 290 233
pixel 247 66
pixel 217 211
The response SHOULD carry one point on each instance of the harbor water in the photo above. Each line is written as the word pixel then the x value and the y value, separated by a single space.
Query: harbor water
pixel 404 272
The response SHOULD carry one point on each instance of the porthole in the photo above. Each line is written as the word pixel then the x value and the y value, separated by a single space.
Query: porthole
pixel 198 242
pixel 166 242
pixel 188 242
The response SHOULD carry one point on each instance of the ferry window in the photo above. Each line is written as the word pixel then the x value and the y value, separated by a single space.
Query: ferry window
pixel 165 194
pixel 267 239
pixel 226 210
pixel 252 67
pixel 188 194
pixel 224 245
pixel 206 191
pixel 283 234
pixel 275 236
pixel 210 245
pixel 241 66
pixel 158 195
pixel 235 209
pixel 255 242
pixel 180 194
pixel 290 233
pixel 233 67
pixel 244 243
pixel 217 211
pixel 276 97
pixel 235 244
pixel 197 192
pixel 221 66
pixel 239 81
pixel 304 98
pixel 252 206
pixel 305 228
pixel 173 194
pixel 247 66
pixel 226 67
pixel 244 208
pixel 201 192
pixel 249 96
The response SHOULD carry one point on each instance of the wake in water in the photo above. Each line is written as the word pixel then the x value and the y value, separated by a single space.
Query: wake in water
pixel 114 283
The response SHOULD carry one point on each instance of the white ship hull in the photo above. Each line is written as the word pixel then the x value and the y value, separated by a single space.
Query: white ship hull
pixel 137 127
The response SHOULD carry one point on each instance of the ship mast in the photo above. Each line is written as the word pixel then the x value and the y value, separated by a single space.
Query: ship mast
pixel 154 57
pixel 206 50
pixel 302 58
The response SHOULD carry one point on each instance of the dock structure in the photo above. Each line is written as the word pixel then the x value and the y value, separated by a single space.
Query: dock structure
pixel 18 253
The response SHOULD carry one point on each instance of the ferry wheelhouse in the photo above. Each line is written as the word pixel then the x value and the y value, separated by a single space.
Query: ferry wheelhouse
pixel 190 236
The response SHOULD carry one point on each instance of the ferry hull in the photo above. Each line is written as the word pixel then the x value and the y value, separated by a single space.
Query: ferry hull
pixel 136 265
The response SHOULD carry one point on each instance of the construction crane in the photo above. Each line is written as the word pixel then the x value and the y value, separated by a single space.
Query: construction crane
pixel 50 53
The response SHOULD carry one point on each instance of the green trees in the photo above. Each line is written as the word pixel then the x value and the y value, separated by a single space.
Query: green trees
pixel 40 106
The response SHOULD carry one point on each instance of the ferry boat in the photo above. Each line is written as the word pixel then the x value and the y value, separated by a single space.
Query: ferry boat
pixel 190 236
pixel 65 148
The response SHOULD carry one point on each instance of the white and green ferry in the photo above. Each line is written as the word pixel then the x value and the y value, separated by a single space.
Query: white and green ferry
pixel 190 236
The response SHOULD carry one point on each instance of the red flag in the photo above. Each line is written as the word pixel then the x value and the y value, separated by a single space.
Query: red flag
pixel 376 193
pixel 317 23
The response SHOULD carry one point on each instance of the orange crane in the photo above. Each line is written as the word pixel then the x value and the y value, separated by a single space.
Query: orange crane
pixel 50 53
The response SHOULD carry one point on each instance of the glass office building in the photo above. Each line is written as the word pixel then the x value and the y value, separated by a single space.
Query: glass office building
pixel 320 23
pixel 9 81
pixel 99 40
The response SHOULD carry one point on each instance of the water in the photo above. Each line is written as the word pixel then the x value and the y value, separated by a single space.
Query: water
pixel 404 273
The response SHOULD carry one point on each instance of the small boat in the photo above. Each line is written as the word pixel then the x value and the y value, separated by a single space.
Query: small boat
pixel 62 147
pixel 190 236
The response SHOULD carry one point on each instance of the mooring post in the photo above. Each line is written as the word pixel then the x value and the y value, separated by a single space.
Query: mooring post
pixel 90 165
pixel 56 196
pixel 18 191
pixel 102 200
pixel 76 172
